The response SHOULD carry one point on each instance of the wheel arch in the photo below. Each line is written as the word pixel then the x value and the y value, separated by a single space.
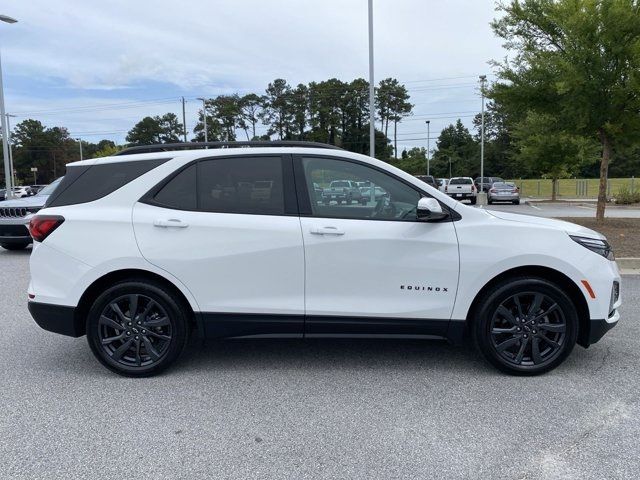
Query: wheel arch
pixel 563 281
pixel 93 291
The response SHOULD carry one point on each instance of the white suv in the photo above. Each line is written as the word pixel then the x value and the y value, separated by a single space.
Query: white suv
pixel 138 250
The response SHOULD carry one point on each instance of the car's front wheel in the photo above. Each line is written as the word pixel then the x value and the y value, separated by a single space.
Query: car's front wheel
pixel 525 326
pixel 137 328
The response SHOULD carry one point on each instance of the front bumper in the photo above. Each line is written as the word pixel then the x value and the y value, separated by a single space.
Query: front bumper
pixel 14 233
pixel 597 328
pixel 57 318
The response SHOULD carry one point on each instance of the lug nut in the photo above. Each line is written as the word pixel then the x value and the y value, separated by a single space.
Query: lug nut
pixel 518 329
pixel 526 336
pixel 533 331
pixel 128 332
pixel 144 331
pixel 139 323
pixel 129 323
pixel 137 338
pixel 523 320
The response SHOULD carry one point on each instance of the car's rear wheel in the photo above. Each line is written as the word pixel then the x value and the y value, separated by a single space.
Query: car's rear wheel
pixel 516 202
pixel 137 328
pixel 14 246
pixel 473 200
pixel 525 326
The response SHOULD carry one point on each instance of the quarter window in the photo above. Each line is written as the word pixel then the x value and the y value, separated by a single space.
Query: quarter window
pixel 241 185
pixel 335 190
pixel 180 191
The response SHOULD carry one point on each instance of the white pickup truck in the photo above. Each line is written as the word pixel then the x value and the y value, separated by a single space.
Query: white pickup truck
pixel 462 188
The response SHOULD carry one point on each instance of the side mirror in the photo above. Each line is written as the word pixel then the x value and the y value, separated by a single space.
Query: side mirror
pixel 429 210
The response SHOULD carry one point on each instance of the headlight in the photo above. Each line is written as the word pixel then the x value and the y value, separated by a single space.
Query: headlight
pixel 601 247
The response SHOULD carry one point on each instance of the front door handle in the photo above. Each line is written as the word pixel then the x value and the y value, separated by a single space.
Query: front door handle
pixel 170 223
pixel 326 231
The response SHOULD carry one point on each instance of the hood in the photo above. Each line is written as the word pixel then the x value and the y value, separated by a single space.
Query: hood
pixel 568 227
pixel 34 201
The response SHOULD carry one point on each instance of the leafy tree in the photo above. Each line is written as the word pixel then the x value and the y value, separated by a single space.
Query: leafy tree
pixel 171 130
pixel 545 148
pixel 455 144
pixel 577 61
pixel 251 105
pixel 392 103
pixel 277 113
pixel 158 129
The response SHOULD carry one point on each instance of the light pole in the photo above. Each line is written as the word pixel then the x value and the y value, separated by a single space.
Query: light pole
pixel 80 143
pixel 482 196
pixel 13 172
pixel 372 106
pixel 3 119
pixel 204 118
pixel 428 122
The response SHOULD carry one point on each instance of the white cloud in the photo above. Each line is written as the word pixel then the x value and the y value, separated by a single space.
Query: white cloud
pixel 208 47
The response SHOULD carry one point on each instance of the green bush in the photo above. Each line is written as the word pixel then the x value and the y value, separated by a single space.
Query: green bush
pixel 626 196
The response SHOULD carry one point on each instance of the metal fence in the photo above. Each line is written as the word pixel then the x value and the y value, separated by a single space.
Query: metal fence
pixel 574 187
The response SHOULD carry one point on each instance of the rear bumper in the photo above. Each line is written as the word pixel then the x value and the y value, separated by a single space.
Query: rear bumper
pixel 461 195
pixel 504 198
pixel 57 318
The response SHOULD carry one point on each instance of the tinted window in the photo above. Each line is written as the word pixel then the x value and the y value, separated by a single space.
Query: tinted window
pixel 389 199
pixel 180 191
pixel 241 185
pixel 87 183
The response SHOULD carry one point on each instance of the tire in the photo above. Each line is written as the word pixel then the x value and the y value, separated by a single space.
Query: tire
pixel 490 202
pixel 509 341
pixel 14 246
pixel 473 200
pixel 140 351
pixel 516 202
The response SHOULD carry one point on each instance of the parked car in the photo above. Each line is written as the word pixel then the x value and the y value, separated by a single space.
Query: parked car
pixel 33 189
pixel 462 188
pixel 483 184
pixel 377 192
pixel 346 191
pixel 3 194
pixel 15 215
pixel 20 192
pixel 504 192
pixel 442 184
pixel 428 179
pixel 526 289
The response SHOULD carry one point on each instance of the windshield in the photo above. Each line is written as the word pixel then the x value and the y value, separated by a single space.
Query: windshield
pixel 48 190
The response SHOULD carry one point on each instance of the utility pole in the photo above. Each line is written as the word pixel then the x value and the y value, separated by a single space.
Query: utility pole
pixel 482 196
pixel 184 122
pixel 3 121
pixel 372 106
pixel 204 118
pixel 80 143
pixel 428 122
pixel 13 172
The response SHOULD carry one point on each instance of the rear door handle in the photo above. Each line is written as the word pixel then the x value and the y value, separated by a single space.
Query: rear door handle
pixel 326 231
pixel 170 223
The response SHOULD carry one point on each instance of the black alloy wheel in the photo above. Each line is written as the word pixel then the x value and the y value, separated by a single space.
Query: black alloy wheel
pixel 526 326
pixel 137 329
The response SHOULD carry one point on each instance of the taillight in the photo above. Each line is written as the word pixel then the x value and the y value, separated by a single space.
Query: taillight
pixel 492 190
pixel 473 188
pixel 41 226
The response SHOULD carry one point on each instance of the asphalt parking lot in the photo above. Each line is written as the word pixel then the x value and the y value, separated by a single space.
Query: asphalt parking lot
pixel 566 209
pixel 313 409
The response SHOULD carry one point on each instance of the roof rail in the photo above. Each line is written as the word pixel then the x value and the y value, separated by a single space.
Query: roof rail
pixel 165 147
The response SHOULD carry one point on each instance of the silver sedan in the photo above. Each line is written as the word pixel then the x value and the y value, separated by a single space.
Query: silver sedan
pixel 504 192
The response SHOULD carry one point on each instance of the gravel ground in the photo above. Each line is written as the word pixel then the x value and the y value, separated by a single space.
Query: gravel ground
pixel 314 409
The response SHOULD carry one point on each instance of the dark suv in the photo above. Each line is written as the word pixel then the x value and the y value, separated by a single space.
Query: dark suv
pixel 486 183
pixel 429 180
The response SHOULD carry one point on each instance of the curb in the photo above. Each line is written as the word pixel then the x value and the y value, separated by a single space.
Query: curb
pixel 628 263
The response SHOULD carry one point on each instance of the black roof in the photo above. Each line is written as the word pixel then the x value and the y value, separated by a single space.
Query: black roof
pixel 165 147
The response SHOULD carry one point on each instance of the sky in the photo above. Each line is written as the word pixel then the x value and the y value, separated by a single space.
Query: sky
pixel 99 67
